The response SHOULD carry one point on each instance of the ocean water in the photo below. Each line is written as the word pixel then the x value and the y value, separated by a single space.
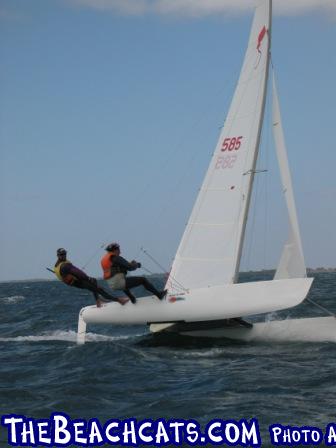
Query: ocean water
pixel 124 372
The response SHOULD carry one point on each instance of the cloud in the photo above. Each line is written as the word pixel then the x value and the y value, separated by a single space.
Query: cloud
pixel 291 7
pixel 200 8
pixel 126 7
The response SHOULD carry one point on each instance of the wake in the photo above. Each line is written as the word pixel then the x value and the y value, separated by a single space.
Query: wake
pixel 321 329
pixel 67 336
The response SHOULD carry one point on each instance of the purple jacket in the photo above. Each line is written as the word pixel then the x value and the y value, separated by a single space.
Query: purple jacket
pixel 69 268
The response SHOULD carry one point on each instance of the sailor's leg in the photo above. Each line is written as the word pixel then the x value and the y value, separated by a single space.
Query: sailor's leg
pixel 108 298
pixel 90 285
pixel 106 295
pixel 132 282
pixel 130 295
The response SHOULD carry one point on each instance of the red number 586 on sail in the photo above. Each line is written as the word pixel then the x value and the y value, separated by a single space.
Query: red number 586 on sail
pixel 231 143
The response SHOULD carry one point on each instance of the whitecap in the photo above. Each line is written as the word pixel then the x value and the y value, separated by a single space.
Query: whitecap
pixel 94 337
pixel 67 336
pixel 12 299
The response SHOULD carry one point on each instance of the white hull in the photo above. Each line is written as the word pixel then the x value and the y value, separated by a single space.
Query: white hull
pixel 204 304
pixel 217 302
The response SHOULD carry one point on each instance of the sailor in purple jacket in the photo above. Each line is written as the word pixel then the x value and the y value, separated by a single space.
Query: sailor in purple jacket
pixel 72 276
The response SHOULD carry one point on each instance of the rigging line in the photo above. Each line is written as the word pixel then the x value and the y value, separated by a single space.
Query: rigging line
pixel 261 186
pixel 122 217
pixel 185 138
pixel 176 148
pixel 176 284
pixel 254 204
pixel 176 187
pixel 163 269
pixel 93 256
pixel 266 214
pixel 147 270
pixel 322 308
pixel 141 193
pixel 266 154
pixel 206 182
pixel 138 254
pixel 244 208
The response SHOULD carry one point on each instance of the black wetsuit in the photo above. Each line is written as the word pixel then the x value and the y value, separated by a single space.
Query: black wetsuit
pixel 120 265
pixel 83 281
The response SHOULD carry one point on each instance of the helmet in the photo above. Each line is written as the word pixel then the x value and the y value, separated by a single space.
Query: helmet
pixel 61 251
pixel 111 247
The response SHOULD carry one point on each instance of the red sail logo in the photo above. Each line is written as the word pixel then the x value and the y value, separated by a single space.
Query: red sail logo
pixel 261 36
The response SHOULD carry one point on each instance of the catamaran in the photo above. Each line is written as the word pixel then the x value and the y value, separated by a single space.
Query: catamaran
pixel 204 298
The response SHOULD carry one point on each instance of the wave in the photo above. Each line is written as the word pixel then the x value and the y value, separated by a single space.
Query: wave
pixel 67 336
pixel 12 299
pixel 319 329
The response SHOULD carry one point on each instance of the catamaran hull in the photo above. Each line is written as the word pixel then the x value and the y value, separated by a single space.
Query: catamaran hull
pixel 204 304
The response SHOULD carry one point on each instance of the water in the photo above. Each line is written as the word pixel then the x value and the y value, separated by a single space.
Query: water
pixel 125 372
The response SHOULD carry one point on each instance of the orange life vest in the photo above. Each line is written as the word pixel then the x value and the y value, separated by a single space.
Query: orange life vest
pixel 106 264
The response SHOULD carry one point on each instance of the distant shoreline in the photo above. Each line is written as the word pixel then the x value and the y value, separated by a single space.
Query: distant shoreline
pixel 309 270
pixel 319 270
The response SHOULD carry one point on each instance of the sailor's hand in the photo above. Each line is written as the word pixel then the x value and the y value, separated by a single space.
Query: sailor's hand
pixel 136 264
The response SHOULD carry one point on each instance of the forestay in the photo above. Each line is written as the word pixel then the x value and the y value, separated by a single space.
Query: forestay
pixel 210 249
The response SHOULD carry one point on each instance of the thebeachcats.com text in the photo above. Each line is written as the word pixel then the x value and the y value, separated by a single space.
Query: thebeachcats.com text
pixel 61 431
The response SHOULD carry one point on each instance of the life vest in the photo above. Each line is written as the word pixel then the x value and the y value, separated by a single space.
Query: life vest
pixel 69 278
pixel 106 264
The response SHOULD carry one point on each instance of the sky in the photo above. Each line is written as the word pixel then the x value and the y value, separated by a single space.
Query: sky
pixel 110 111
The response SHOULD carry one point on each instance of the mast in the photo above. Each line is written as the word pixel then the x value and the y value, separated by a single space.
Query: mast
pixel 252 172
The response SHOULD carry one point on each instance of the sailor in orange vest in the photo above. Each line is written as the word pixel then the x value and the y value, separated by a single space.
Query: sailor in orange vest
pixel 115 269
pixel 72 276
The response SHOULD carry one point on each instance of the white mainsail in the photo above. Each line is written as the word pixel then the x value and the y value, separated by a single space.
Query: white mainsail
pixel 292 264
pixel 210 250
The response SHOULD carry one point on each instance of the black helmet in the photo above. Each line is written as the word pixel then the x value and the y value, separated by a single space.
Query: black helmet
pixel 61 251
pixel 111 247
